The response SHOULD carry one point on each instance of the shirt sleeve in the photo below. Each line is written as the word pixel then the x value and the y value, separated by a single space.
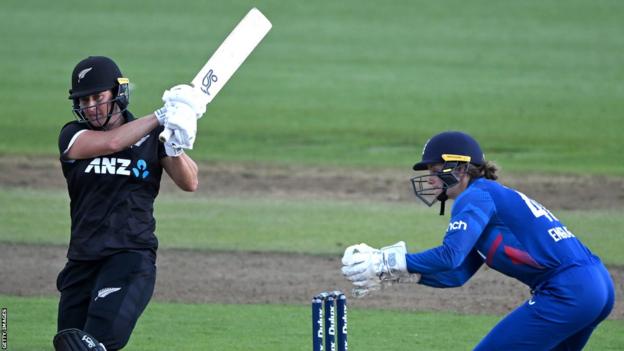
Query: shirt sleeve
pixel 471 213
pixel 67 137
pixel 456 277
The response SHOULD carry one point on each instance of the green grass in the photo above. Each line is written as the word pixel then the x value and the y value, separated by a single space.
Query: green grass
pixel 349 82
pixel 168 326
pixel 318 227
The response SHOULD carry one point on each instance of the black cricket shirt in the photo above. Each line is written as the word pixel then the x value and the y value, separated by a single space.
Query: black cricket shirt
pixel 112 196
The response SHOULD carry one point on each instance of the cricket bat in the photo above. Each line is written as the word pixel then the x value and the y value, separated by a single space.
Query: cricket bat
pixel 228 57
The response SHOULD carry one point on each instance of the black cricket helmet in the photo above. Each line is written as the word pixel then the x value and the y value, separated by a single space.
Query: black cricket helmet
pixel 96 74
pixel 452 149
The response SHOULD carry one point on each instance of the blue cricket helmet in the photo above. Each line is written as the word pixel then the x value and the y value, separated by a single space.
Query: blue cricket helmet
pixel 450 146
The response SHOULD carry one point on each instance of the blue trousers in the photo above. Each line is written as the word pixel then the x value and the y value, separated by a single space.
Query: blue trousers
pixel 561 315
pixel 106 297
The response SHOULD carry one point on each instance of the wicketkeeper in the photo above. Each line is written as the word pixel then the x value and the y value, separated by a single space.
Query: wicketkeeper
pixel 113 164
pixel 572 291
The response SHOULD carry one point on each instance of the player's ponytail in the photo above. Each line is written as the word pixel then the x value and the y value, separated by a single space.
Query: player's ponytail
pixel 487 170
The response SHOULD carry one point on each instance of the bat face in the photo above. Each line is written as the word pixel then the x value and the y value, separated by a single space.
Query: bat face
pixel 228 57
pixel 231 54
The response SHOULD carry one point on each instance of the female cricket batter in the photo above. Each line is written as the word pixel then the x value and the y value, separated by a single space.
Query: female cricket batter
pixel 113 164
pixel 571 289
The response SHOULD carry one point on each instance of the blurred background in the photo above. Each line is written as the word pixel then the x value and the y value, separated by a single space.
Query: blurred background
pixel 357 83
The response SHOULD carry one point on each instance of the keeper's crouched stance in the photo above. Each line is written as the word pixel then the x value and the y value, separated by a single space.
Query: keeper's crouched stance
pixel 113 163
pixel 491 224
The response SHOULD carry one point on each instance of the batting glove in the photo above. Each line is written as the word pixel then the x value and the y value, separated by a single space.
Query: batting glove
pixel 182 124
pixel 187 95
pixel 161 115
pixel 173 151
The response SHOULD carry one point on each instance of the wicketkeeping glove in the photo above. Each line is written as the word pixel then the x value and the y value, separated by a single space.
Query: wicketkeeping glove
pixel 355 255
pixel 362 262
pixel 394 261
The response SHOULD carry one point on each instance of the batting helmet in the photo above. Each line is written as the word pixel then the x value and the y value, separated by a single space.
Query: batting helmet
pixel 93 75
pixel 450 146
pixel 96 74
pixel 453 150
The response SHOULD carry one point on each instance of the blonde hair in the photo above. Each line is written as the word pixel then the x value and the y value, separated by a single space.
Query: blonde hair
pixel 487 170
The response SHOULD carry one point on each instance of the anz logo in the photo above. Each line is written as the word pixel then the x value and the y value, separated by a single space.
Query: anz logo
pixel 117 166
pixel 457 225
pixel 140 171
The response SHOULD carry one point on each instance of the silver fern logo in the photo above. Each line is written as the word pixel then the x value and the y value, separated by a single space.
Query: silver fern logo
pixel 83 73
pixel 105 292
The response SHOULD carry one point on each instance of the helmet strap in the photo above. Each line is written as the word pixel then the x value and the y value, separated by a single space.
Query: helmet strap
pixel 450 179
pixel 442 198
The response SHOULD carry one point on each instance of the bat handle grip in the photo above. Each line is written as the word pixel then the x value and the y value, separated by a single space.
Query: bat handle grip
pixel 165 135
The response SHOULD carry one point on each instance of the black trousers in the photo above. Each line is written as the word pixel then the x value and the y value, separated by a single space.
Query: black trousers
pixel 106 297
